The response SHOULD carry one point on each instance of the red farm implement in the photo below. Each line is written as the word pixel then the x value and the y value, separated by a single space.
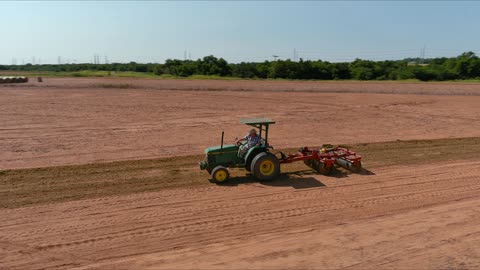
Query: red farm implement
pixel 323 159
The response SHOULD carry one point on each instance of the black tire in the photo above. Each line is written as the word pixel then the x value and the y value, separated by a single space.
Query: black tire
pixel 321 168
pixel 249 161
pixel 308 162
pixel 265 167
pixel 220 174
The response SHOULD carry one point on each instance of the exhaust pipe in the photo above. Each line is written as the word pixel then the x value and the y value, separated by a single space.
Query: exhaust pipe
pixel 221 147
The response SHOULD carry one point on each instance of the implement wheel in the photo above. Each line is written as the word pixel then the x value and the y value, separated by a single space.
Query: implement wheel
pixel 220 174
pixel 265 167
pixel 308 162
pixel 356 168
pixel 321 167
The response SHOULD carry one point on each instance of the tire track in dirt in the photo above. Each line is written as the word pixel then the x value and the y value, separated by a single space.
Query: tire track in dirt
pixel 100 230
pixel 182 212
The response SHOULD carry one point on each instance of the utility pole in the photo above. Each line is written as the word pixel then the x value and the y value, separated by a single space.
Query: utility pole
pixel 59 60
pixel 422 55
pixel 106 59
pixel 14 61
pixel 294 55
pixel 96 59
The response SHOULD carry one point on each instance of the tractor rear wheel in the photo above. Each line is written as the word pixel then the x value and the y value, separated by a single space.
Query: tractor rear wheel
pixel 220 174
pixel 265 167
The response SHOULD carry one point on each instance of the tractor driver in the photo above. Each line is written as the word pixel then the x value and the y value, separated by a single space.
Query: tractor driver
pixel 252 139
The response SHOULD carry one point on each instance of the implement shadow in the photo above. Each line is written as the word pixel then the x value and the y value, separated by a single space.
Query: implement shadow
pixel 364 171
pixel 339 172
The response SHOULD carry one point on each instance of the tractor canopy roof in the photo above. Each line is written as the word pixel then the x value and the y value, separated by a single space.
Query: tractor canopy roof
pixel 260 123
pixel 255 122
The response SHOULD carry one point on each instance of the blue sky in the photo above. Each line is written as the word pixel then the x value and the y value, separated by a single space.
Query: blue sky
pixel 238 31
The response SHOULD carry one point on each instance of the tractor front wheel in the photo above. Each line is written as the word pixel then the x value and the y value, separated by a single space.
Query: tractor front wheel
pixel 220 174
pixel 265 167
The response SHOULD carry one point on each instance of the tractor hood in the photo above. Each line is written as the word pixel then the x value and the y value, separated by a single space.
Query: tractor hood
pixel 218 149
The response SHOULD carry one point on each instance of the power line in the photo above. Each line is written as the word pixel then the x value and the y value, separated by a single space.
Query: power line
pixel 420 54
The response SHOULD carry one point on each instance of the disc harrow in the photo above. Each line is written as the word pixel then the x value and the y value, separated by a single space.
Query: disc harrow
pixel 324 158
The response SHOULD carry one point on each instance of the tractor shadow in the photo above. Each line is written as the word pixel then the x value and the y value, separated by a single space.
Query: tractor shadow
pixel 297 179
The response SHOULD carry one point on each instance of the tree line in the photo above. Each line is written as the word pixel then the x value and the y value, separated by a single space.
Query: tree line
pixel 464 66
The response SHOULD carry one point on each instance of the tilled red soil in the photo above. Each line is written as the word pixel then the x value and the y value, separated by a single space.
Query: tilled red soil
pixel 83 120
pixel 420 88
pixel 400 214
pixel 399 217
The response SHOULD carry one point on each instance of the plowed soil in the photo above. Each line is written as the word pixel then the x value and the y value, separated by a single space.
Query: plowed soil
pixel 401 217
pixel 146 205
pixel 87 120
pixel 422 214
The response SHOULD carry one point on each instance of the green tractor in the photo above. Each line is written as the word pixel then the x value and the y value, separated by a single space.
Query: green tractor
pixel 258 160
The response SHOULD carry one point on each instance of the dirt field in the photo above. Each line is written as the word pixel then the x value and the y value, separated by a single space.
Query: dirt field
pixel 398 217
pixel 72 121
pixel 415 206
